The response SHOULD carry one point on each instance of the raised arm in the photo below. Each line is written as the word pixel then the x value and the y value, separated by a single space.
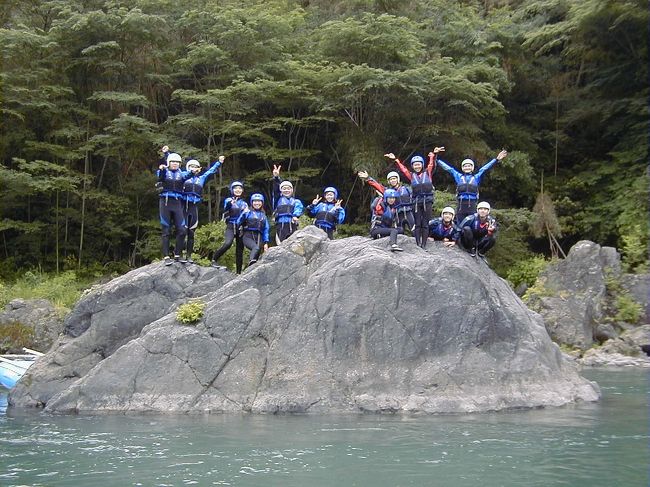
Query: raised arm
pixel 401 167
pixel 485 168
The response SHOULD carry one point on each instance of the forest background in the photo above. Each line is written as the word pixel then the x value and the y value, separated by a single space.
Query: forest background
pixel 92 89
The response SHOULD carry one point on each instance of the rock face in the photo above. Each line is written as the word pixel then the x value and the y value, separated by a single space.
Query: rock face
pixel 575 301
pixel 107 317
pixel 319 325
pixel 38 314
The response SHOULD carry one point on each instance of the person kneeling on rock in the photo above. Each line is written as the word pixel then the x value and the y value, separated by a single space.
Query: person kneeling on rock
pixel 443 229
pixel 385 219
pixel 478 231
pixel 256 227
pixel 328 213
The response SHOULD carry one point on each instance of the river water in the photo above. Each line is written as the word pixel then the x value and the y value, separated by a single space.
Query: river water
pixel 604 444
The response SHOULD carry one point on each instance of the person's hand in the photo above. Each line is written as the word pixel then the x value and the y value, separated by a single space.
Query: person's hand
pixel 390 155
pixel 338 204
pixel 449 243
pixel 221 159
pixel 317 200
pixel 295 220
pixel 491 228
pixel 266 247
pixel 436 150
pixel 234 198
pixel 162 166
pixel 502 155
pixel 165 148
pixel 276 170
pixel 363 174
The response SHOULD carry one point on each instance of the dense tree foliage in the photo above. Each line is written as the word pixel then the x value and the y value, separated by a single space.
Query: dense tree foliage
pixel 92 89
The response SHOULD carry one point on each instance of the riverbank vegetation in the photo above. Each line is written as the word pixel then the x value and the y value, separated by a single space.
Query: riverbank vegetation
pixel 91 90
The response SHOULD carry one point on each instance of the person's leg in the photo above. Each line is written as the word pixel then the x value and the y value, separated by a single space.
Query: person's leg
pixel 191 223
pixel 179 223
pixel 464 209
pixel 250 242
pixel 467 239
pixel 425 217
pixel 165 223
pixel 228 237
pixel 239 253
pixel 485 244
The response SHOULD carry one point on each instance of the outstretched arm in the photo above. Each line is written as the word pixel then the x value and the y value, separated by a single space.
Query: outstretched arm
pixel 485 168
pixel 401 167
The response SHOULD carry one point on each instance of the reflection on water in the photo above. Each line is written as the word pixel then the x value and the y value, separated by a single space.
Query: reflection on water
pixel 604 444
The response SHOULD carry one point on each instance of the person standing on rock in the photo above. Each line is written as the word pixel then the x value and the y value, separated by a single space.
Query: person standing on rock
pixel 256 227
pixel 421 180
pixel 170 180
pixel 467 183
pixel 404 201
pixel 287 209
pixel 233 207
pixel 192 194
pixel 443 229
pixel 329 213
pixel 478 231
pixel 385 219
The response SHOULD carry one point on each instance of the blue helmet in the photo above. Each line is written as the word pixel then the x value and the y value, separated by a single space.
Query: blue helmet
pixel 257 197
pixel 331 189
pixel 236 183
pixel 390 193
pixel 415 159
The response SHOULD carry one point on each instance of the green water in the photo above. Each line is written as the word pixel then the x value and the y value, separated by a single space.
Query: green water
pixel 603 444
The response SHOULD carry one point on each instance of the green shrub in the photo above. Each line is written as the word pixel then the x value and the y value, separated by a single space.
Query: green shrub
pixel 190 313
pixel 526 271
pixel 63 290
pixel 634 247
pixel 627 309
pixel 14 336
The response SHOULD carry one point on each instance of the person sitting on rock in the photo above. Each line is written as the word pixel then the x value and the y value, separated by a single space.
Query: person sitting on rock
pixel 233 207
pixel 478 231
pixel 443 229
pixel 287 209
pixel 467 183
pixel 192 194
pixel 421 180
pixel 256 227
pixel 329 213
pixel 404 200
pixel 170 180
pixel 385 219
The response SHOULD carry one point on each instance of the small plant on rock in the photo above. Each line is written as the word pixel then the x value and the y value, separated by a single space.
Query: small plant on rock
pixel 190 313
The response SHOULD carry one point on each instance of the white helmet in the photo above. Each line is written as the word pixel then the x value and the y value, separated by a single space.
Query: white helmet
pixel 483 204
pixel 448 209
pixel 286 184
pixel 192 162
pixel 467 161
pixel 393 174
pixel 173 157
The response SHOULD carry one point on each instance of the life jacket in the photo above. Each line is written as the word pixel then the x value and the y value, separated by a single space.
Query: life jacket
pixel 284 207
pixel 405 199
pixel 327 216
pixel 236 208
pixel 384 216
pixel 421 184
pixel 193 186
pixel 468 187
pixel 172 182
pixel 480 229
pixel 439 231
pixel 255 221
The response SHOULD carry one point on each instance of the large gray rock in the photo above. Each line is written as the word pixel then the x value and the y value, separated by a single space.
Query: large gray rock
pixel 576 288
pixel 107 317
pixel 638 287
pixel 343 325
pixel 39 315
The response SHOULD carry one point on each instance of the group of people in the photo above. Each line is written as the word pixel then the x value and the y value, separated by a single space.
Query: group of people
pixel 397 207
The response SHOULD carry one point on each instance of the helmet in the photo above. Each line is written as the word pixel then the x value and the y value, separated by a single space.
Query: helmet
pixel 286 183
pixel 467 161
pixel 257 197
pixel 415 159
pixel 173 157
pixel 192 162
pixel 483 204
pixel 331 189
pixel 448 209
pixel 236 183
pixel 393 174
pixel 390 193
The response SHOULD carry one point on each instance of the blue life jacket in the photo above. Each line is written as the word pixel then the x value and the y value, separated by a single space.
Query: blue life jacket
pixel 467 187
pixel 405 200
pixel 439 231
pixel 236 208
pixel 194 186
pixel 172 183
pixel 255 221
pixel 421 185
pixel 284 207
pixel 384 216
